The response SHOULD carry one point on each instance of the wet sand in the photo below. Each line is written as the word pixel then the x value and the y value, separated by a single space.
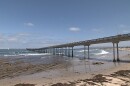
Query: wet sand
pixel 9 69
pixel 110 77
pixel 66 72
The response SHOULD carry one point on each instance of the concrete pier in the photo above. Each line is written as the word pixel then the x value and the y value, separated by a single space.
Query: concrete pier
pixel 58 49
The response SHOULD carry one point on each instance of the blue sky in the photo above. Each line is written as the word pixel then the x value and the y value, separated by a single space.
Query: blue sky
pixel 39 23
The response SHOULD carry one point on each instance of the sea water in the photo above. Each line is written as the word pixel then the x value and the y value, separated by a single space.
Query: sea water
pixel 95 53
pixel 78 65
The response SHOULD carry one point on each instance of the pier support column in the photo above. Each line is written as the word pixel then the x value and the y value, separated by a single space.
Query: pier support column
pixel 65 51
pixel 88 51
pixel 72 52
pixel 114 60
pixel 68 52
pixel 56 51
pixel 61 51
pixel 46 50
pixel 49 50
pixel 84 52
pixel 53 51
pixel 117 52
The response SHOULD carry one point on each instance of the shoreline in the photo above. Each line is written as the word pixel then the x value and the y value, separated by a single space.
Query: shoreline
pixel 111 77
pixel 118 76
pixel 69 72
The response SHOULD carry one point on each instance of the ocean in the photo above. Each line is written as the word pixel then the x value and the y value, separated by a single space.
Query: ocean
pixel 62 65
pixel 95 53
pixel 24 52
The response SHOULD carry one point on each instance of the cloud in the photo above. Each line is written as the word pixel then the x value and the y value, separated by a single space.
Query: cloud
pixel 27 40
pixel 74 29
pixel 14 40
pixel 23 34
pixel 124 28
pixel 126 31
pixel 97 30
pixel 29 24
pixel 13 37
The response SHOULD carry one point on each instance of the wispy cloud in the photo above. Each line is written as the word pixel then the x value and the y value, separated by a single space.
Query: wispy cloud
pixel 74 29
pixel 124 28
pixel 29 24
pixel 126 31
pixel 11 40
pixel 27 40
pixel 97 30
pixel 13 37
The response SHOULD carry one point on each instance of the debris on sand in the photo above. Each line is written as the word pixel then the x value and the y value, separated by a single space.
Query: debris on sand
pixel 63 84
pixel 97 63
pixel 24 85
pixel 122 73
pixel 96 79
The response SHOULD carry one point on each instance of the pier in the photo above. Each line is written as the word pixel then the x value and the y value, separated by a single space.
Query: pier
pixel 67 49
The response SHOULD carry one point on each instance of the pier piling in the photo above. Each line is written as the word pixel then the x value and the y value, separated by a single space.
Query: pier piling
pixel 72 52
pixel 88 51
pixel 114 60
pixel 117 52
pixel 84 52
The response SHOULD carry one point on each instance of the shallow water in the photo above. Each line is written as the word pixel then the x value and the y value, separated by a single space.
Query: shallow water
pixel 34 57
pixel 77 65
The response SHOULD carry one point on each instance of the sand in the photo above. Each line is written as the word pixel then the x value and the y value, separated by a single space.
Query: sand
pixel 75 73
pixel 10 69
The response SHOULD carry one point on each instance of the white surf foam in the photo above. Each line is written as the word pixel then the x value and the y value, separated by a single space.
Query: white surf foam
pixel 34 54
pixel 103 52
pixel 10 55
pixel 82 51
pixel 29 54
pixel 87 50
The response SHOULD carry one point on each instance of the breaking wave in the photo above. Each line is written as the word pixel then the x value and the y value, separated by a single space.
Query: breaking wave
pixel 102 52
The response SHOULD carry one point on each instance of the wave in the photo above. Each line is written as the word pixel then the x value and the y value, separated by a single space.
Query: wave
pixel 87 50
pixel 29 54
pixel 103 52
pixel 9 55
pixel 34 54
pixel 82 51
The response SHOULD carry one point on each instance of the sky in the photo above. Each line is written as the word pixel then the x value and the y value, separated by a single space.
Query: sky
pixel 41 23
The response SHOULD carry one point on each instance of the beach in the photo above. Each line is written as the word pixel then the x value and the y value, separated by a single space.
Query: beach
pixel 64 42
pixel 64 71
